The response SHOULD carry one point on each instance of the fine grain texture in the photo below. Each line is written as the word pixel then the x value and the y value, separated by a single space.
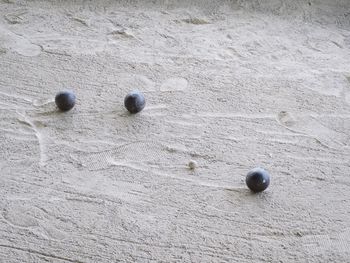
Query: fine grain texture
pixel 230 85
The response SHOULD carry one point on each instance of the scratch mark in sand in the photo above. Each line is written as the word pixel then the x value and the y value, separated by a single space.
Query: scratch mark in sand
pixel 42 147
pixel 20 44
pixel 32 251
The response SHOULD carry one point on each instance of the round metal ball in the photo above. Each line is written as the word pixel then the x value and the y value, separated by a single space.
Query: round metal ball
pixel 134 102
pixel 258 180
pixel 65 100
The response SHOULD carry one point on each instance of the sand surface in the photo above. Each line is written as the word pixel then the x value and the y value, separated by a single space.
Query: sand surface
pixel 229 84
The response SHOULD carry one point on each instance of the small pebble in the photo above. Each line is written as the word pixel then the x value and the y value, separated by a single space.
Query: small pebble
pixel 192 164
pixel 65 100
pixel 258 180
pixel 134 102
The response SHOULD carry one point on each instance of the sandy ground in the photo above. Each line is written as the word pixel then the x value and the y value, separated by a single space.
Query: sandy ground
pixel 230 84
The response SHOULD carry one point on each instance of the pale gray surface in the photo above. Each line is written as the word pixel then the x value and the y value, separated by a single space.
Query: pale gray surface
pixel 231 85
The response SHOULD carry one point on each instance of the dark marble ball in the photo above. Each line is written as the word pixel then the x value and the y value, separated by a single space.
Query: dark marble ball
pixel 258 180
pixel 134 102
pixel 65 100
